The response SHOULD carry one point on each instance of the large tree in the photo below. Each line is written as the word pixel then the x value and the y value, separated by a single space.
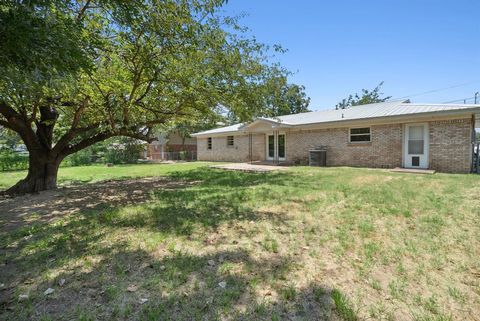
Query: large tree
pixel 283 98
pixel 365 97
pixel 74 73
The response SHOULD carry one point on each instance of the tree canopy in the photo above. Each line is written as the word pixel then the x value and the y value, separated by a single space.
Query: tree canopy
pixel 365 97
pixel 74 73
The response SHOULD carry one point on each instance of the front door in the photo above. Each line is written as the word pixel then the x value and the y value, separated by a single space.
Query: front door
pixel 276 147
pixel 416 146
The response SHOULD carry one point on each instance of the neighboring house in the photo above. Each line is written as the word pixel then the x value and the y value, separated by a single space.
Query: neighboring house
pixel 385 135
pixel 169 146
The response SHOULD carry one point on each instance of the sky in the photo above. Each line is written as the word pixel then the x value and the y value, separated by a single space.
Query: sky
pixel 337 47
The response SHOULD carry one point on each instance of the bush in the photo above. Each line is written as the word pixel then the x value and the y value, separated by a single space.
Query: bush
pixel 10 160
pixel 82 157
pixel 126 152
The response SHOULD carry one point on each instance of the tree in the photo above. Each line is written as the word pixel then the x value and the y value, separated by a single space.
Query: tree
pixel 75 73
pixel 288 99
pixel 366 97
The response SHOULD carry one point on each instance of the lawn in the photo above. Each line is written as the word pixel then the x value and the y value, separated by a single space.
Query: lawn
pixel 195 243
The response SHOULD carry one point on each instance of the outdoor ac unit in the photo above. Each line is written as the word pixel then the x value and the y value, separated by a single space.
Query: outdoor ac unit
pixel 318 157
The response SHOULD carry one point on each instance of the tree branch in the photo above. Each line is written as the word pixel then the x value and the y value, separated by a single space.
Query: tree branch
pixel 5 124
pixel 83 9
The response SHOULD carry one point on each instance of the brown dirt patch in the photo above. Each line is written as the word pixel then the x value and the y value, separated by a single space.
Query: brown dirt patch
pixel 50 205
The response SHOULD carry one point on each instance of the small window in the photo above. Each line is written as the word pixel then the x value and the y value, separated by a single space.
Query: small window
pixel 209 143
pixel 358 135
pixel 230 141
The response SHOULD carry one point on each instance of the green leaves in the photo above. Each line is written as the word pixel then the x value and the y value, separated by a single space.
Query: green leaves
pixel 366 97
pixel 118 67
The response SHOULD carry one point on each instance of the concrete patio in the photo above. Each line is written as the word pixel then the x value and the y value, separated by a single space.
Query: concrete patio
pixel 251 167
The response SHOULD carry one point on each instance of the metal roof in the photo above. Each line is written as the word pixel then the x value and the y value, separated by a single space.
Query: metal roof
pixel 370 111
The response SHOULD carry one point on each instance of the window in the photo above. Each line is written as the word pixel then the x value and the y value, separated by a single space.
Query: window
pixel 230 141
pixel 360 135
pixel 415 140
pixel 209 143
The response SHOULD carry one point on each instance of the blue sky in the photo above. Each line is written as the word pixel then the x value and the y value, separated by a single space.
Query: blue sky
pixel 339 47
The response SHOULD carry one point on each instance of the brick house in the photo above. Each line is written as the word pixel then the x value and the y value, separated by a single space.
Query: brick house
pixel 168 147
pixel 385 135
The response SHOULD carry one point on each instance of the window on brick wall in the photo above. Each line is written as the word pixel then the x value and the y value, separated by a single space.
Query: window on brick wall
pixel 360 135
pixel 209 143
pixel 230 141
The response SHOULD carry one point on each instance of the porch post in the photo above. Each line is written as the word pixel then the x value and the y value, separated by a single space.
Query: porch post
pixel 276 147
pixel 250 151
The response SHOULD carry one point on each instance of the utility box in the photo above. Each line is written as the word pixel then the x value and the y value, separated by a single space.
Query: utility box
pixel 318 157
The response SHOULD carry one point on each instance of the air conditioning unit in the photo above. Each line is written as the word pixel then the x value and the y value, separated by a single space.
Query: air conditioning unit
pixel 318 157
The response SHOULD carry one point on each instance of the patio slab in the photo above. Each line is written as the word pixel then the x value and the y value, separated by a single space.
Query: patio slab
pixel 413 170
pixel 247 167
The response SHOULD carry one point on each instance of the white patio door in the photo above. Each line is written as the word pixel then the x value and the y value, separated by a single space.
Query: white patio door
pixel 416 146
pixel 276 147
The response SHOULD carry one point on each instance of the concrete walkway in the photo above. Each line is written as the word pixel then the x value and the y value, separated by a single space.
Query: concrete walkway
pixel 412 170
pixel 247 167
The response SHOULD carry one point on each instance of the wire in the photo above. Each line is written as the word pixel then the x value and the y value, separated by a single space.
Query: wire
pixel 457 100
pixel 437 90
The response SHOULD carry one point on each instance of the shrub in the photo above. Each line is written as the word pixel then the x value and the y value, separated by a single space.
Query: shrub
pixel 10 160
pixel 126 152
pixel 82 157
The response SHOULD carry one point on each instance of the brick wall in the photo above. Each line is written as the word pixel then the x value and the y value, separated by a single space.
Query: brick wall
pixel 450 147
pixel 384 150
pixel 238 153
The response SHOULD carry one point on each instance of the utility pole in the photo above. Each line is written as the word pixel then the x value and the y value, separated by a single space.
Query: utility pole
pixel 476 95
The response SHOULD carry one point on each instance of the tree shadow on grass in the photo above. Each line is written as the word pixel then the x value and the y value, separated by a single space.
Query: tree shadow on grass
pixel 50 205
pixel 106 278
pixel 177 205
pixel 133 285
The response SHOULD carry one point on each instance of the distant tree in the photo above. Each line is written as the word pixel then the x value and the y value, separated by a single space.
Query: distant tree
pixel 9 138
pixel 283 98
pixel 366 97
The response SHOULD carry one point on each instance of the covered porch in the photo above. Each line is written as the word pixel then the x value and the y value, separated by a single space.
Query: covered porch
pixel 275 135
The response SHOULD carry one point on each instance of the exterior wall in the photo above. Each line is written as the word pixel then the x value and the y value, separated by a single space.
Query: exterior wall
pixel 384 150
pixel 237 153
pixel 174 144
pixel 450 145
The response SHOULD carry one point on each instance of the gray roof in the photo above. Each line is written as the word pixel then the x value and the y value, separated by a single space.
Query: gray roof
pixel 370 111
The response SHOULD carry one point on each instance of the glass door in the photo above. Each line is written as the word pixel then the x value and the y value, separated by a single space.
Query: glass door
pixel 270 147
pixel 416 149
pixel 276 147
pixel 281 146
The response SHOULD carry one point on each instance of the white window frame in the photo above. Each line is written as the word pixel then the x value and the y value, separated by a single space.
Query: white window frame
pixel 209 143
pixel 359 142
pixel 233 141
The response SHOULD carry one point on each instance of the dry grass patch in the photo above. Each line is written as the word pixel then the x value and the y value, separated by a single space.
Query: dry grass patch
pixel 307 244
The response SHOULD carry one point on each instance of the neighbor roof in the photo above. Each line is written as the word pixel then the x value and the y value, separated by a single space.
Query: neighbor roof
pixel 370 111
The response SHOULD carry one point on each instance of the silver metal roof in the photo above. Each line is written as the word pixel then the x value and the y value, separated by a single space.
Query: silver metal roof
pixel 370 111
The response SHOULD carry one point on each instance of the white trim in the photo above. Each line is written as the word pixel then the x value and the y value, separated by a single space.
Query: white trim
pixel 425 157
pixel 363 141
pixel 275 146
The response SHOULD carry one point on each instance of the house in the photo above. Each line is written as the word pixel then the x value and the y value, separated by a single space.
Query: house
pixel 172 146
pixel 385 135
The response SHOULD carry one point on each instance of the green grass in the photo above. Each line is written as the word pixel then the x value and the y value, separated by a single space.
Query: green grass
pixel 96 173
pixel 306 244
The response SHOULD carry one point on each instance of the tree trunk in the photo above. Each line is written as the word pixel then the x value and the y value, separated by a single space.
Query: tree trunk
pixel 42 175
